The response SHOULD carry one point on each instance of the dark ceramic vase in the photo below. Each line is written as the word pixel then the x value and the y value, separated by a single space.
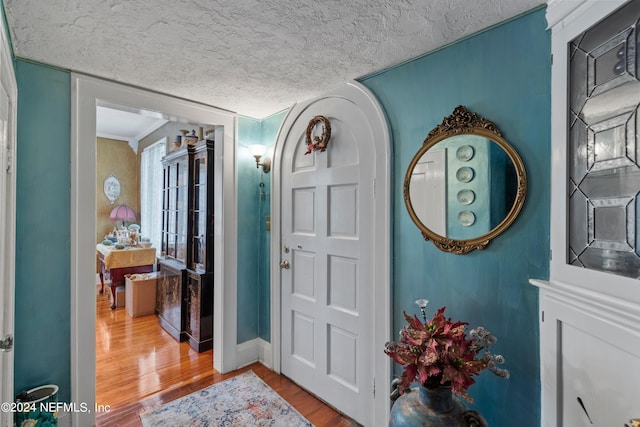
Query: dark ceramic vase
pixel 434 407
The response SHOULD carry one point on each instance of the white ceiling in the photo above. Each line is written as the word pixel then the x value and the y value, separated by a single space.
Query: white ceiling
pixel 124 125
pixel 253 57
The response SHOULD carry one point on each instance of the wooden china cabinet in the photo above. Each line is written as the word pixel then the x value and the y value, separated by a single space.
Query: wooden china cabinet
pixel 199 275
pixel 185 287
pixel 172 263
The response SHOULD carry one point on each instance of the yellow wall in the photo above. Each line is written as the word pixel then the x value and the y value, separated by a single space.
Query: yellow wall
pixel 117 158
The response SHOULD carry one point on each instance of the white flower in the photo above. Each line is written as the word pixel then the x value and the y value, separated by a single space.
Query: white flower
pixel 422 303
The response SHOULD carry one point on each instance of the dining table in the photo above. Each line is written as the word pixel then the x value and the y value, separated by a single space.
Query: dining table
pixel 115 264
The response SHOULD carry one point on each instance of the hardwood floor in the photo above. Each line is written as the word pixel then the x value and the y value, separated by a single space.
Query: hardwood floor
pixel 140 366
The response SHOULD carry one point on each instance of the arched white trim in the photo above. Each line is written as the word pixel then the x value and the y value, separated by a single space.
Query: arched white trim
pixel 366 101
pixel 86 94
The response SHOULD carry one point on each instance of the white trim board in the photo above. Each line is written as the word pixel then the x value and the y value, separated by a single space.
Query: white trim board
pixel 255 350
pixel 86 94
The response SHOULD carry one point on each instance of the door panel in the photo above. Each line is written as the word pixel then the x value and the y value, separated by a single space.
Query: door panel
pixel 303 203
pixel 343 211
pixel 327 308
pixel 343 284
pixel 341 356
pixel 302 338
pixel 342 154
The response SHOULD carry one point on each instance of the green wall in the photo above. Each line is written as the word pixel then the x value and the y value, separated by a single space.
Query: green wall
pixel 42 296
pixel 503 74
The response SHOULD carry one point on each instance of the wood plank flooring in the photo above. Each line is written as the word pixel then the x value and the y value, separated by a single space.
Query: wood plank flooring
pixel 140 366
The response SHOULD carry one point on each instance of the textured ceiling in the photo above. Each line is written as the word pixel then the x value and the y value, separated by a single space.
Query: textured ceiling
pixel 254 57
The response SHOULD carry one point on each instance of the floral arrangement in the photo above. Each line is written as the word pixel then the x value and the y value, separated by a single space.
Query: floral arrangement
pixel 439 352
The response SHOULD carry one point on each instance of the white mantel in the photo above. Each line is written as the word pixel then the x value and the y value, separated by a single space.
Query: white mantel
pixel 589 350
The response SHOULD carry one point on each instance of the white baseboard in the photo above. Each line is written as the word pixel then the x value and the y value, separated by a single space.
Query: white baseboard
pixel 265 356
pixel 255 350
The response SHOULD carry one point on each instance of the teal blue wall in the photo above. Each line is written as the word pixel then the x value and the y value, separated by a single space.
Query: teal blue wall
pixel 503 74
pixel 269 131
pixel 249 242
pixel 254 239
pixel 42 298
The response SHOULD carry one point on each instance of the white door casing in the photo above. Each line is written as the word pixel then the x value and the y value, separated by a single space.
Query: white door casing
pixel 86 94
pixel 8 111
pixel 331 307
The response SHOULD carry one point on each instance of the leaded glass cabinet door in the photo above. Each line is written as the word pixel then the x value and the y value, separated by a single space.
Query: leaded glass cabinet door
pixel 603 145
pixel 590 306
pixel 174 212
pixel 201 208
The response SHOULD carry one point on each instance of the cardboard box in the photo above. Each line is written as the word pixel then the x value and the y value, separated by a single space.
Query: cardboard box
pixel 140 293
pixel 120 297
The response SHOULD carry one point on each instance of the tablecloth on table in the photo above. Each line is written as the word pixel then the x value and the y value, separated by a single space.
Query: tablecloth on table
pixel 128 257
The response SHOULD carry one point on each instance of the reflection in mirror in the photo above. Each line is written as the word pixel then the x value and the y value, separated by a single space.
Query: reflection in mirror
pixel 429 183
pixel 465 185
pixel 483 184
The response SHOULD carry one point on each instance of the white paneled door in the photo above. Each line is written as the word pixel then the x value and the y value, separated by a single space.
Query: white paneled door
pixel 327 258
pixel 8 95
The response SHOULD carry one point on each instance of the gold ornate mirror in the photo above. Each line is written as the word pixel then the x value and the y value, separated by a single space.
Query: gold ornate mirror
pixel 465 185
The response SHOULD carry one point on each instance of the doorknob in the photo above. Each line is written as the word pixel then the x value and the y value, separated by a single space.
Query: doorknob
pixel 6 344
pixel 284 264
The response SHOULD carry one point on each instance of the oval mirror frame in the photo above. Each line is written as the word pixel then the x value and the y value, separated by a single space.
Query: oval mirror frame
pixel 464 122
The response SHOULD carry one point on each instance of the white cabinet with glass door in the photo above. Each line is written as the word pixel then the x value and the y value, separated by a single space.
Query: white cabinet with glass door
pixel 590 306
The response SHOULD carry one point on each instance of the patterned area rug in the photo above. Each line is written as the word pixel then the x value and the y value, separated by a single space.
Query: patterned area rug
pixel 244 400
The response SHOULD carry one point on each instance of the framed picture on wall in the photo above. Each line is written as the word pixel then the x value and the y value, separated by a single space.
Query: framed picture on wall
pixel 111 188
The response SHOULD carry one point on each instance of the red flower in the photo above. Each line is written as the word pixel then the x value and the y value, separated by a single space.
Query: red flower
pixel 438 351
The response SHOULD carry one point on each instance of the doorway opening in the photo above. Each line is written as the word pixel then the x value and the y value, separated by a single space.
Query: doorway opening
pixel 135 357
pixel 87 94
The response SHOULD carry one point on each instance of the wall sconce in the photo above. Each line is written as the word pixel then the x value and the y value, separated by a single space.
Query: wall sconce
pixel 258 150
